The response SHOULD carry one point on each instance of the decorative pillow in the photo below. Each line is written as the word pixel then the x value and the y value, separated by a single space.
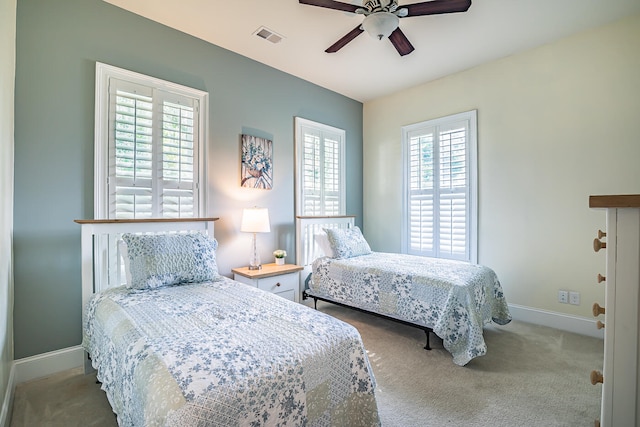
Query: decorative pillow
pixel 347 242
pixel 157 260
pixel 322 240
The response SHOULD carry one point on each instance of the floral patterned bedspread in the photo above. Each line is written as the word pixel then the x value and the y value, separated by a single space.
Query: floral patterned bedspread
pixel 455 299
pixel 226 354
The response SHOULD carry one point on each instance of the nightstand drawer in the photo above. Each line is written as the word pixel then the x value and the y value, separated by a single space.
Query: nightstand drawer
pixel 278 284
pixel 281 280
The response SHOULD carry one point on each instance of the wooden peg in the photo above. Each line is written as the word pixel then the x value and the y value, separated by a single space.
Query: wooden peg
pixel 596 377
pixel 601 234
pixel 599 325
pixel 601 278
pixel 597 310
pixel 597 245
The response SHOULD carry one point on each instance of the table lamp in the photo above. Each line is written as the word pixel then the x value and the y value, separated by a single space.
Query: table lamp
pixel 255 220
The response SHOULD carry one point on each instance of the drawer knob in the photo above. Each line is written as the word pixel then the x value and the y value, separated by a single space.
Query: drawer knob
pixel 601 278
pixel 597 310
pixel 278 284
pixel 601 234
pixel 597 245
pixel 596 377
pixel 599 325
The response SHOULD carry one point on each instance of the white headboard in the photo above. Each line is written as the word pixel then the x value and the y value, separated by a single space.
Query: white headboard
pixel 101 271
pixel 307 250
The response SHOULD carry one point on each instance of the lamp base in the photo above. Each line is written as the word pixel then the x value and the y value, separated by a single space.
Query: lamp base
pixel 254 261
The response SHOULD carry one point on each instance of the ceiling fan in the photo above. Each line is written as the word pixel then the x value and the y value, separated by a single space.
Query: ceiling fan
pixel 382 18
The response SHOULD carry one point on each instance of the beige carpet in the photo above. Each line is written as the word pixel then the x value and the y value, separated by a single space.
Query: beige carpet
pixel 67 399
pixel 531 376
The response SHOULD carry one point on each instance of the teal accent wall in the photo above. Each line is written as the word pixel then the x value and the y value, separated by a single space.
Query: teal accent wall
pixel 58 44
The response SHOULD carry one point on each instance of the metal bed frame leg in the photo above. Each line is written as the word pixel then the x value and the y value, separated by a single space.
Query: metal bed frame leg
pixel 315 300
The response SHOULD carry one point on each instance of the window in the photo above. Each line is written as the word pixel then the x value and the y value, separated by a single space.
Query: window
pixel 149 142
pixel 320 169
pixel 440 206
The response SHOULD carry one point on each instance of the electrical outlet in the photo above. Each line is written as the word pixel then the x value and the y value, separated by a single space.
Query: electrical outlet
pixel 574 298
pixel 563 297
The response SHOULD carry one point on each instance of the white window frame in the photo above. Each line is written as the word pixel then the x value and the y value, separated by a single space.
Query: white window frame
pixel 300 124
pixel 471 253
pixel 104 73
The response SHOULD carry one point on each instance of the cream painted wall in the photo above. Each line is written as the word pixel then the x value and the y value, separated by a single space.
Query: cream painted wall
pixel 7 74
pixel 555 125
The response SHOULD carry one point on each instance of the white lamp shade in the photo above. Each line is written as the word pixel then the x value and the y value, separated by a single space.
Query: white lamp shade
pixel 380 25
pixel 255 220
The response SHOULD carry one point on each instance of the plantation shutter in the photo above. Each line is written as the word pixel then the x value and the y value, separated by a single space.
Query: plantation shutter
pixel 311 173
pixel 179 158
pixel 152 152
pixel 321 171
pixel 331 174
pixel 421 211
pixel 453 191
pixel 438 167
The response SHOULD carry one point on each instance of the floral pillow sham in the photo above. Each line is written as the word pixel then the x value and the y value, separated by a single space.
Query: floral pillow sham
pixel 157 260
pixel 347 242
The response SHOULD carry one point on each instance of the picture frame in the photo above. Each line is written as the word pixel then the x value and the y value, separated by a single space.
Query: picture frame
pixel 257 162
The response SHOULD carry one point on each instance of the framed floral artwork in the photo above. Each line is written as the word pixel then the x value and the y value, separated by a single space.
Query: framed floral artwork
pixel 257 162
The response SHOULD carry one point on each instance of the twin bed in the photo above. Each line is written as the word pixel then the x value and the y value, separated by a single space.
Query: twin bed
pixel 180 345
pixel 175 343
pixel 453 299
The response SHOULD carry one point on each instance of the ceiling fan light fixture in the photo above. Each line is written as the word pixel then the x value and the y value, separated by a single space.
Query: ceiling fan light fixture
pixel 380 25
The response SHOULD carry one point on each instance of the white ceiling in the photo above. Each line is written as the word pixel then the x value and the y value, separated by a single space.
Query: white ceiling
pixel 367 68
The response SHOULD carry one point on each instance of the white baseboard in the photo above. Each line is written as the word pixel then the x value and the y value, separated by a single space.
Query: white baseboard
pixel 42 365
pixel 7 403
pixel 552 319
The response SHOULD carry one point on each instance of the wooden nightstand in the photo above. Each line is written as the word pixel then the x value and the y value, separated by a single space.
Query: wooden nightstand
pixel 282 280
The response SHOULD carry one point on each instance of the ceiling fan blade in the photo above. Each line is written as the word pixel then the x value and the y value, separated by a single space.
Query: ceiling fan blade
pixel 331 4
pixel 344 40
pixel 435 7
pixel 401 42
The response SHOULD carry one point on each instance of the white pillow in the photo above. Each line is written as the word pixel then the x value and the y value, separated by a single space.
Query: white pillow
pixel 322 240
pixel 124 258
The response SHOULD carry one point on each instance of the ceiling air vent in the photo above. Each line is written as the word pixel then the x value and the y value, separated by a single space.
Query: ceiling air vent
pixel 267 34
